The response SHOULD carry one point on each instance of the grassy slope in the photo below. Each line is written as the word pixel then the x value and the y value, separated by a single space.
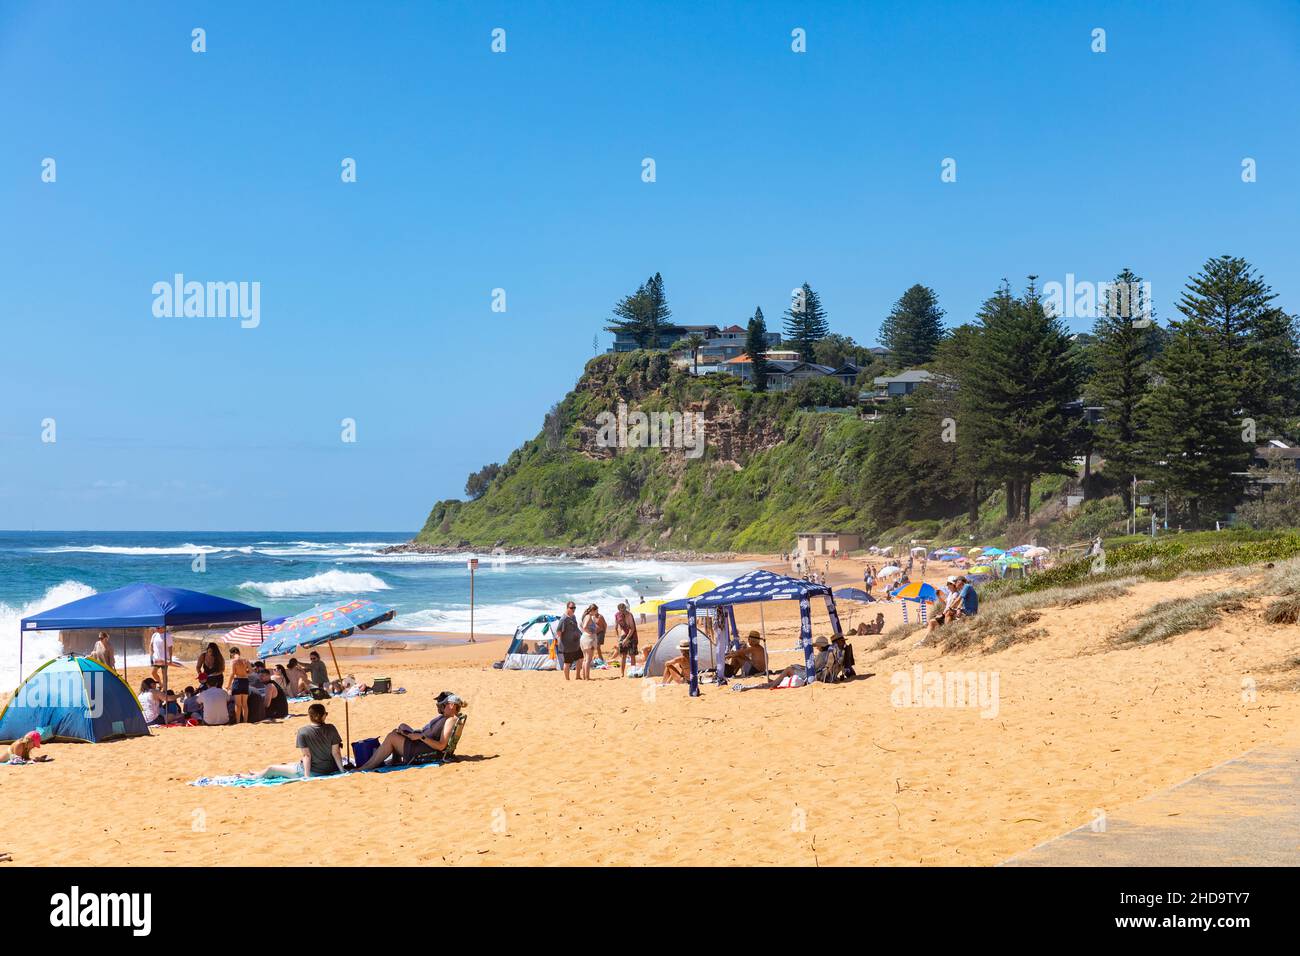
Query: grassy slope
pixel 549 495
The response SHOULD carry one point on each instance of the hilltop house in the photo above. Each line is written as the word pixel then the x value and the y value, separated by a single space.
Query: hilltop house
pixel 896 386
pixel 720 344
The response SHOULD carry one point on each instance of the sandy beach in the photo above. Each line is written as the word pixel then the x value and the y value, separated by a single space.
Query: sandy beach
pixel 617 771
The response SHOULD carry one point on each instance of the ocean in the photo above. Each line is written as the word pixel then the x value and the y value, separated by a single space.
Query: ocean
pixel 284 573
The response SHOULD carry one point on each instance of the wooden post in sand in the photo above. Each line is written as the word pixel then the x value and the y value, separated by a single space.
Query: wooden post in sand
pixel 473 566
pixel 347 714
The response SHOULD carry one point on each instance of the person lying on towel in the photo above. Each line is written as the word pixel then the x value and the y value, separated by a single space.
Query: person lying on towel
pixel 406 743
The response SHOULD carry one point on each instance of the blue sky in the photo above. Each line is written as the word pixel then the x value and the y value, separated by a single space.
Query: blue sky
pixel 522 171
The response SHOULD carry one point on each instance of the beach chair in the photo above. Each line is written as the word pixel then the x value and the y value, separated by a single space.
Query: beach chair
pixel 441 756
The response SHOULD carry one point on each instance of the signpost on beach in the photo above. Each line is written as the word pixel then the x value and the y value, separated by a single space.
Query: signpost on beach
pixel 473 566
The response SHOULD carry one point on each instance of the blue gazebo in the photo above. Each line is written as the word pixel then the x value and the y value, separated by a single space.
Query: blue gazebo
pixel 139 605
pixel 752 588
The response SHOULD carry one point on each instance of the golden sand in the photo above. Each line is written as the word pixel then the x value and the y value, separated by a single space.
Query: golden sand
pixel 615 771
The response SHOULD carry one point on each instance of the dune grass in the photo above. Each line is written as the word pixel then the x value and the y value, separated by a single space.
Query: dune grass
pixel 1008 618
pixel 1171 618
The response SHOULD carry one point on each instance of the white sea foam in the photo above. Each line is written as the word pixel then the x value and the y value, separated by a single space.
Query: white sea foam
pixel 327 582
pixel 38 646
pixel 504 618
pixel 186 549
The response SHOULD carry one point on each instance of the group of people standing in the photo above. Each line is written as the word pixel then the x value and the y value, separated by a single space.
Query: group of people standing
pixel 582 641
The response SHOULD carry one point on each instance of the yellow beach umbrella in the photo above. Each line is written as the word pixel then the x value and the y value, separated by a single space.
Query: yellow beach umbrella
pixel 648 607
pixel 700 586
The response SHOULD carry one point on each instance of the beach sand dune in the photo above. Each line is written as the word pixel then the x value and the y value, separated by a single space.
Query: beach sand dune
pixel 619 772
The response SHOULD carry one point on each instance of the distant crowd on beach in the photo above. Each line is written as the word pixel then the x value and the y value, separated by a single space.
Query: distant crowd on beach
pixel 225 691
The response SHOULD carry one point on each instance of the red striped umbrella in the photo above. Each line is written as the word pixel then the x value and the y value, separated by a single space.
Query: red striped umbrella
pixel 250 635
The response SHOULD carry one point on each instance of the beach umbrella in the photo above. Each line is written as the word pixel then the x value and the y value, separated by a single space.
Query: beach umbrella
pixel 975 551
pixel 1037 552
pixel 854 594
pixel 691 589
pixel 891 569
pixel 648 607
pixel 251 635
pixel 1020 549
pixel 991 551
pixel 324 624
pixel 916 591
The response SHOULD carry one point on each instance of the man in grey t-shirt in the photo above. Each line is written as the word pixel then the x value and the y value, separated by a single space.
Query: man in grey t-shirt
pixel 569 636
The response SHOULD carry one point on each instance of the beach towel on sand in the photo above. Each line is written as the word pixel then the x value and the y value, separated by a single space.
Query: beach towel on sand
pixel 245 782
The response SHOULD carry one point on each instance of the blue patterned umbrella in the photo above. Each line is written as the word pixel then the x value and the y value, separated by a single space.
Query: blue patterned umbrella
pixel 324 623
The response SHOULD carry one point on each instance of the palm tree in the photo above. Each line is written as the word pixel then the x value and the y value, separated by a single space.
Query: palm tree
pixel 694 342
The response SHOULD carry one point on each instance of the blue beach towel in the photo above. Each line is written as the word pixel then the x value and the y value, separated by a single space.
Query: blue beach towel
pixel 247 782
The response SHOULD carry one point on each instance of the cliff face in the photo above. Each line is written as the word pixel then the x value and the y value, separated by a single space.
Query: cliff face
pixel 645 456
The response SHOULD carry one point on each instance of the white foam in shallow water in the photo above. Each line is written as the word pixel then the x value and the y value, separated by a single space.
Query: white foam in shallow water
pixel 504 618
pixel 38 646
pixel 327 582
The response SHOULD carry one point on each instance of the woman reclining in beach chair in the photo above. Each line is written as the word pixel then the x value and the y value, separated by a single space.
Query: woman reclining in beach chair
pixel 436 740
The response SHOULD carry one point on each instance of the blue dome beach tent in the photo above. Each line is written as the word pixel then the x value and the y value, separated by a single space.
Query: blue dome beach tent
pixel 139 606
pixel 73 699
pixel 751 588
pixel 532 651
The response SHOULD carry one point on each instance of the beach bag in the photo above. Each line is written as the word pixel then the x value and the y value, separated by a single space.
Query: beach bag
pixel 363 750
pixel 382 685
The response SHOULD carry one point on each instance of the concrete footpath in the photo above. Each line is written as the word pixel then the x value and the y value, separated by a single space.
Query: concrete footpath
pixel 1245 812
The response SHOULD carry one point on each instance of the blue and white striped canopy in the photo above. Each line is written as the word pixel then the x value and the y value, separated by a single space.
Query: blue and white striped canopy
pixel 748 589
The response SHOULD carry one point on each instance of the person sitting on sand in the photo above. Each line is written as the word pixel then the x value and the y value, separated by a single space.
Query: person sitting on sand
pixel 21 750
pixel 319 744
pixel 749 660
pixel 406 744
pixel 102 652
pixel 239 674
pixel 952 602
pixel 191 706
pixel 968 600
pixel 171 710
pixel 317 673
pixel 846 657
pixel 151 701
pixel 678 670
pixel 297 674
pixel 828 664
pixel 214 704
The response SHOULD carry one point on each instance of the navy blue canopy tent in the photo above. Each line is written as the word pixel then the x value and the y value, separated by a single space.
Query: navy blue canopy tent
pixel 139 605
pixel 751 588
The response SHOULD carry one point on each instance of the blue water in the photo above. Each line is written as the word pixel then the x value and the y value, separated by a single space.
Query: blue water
pixel 283 573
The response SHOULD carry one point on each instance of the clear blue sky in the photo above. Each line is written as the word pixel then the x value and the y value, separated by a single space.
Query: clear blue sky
pixel 522 171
